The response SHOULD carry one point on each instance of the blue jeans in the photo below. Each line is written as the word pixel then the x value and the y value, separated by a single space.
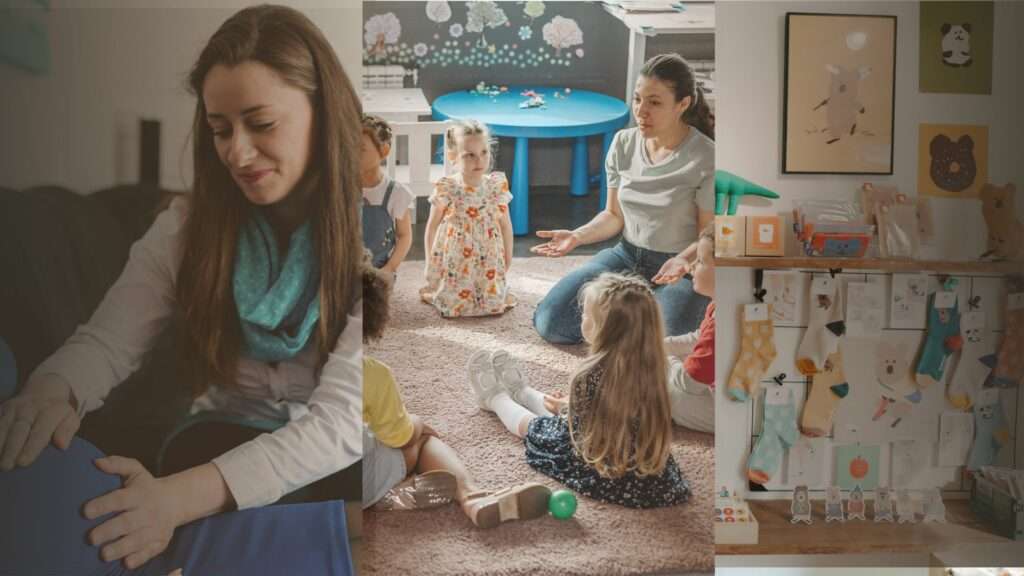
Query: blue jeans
pixel 558 316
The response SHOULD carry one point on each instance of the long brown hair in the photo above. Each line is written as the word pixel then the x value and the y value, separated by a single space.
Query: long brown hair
pixel 290 44
pixel 628 425
pixel 675 71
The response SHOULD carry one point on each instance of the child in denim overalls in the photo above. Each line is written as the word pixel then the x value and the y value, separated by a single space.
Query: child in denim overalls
pixel 387 224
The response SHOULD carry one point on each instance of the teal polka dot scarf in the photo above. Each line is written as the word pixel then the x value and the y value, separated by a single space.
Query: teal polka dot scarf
pixel 277 297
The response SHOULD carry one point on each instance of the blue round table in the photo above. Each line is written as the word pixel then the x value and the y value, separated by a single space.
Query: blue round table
pixel 579 114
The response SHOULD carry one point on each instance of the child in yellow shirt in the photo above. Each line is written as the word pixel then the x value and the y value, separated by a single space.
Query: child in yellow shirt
pixel 405 464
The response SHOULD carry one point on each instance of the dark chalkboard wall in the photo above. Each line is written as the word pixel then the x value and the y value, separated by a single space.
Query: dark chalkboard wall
pixel 459 59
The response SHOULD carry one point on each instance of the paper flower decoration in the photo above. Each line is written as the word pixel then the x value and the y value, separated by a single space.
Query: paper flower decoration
pixel 579 52
pixel 439 11
pixel 525 33
pixel 455 30
pixel 420 50
pixel 562 33
pixel 382 29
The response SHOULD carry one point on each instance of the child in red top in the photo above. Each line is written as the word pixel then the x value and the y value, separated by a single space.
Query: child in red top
pixel 692 356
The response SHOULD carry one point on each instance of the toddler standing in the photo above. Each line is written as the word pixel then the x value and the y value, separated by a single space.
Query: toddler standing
pixel 469 231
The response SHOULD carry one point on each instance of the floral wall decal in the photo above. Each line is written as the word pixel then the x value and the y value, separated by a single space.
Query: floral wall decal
pixel 501 41
pixel 381 30
pixel 439 11
pixel 562 33
pixel 484 14
pixel 534 9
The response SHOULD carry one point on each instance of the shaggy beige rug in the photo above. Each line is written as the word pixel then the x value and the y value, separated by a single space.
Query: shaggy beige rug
pixel 428 355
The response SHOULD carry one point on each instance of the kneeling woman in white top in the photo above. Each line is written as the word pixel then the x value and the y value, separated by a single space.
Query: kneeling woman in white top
pixel 261 262
pixel 660 195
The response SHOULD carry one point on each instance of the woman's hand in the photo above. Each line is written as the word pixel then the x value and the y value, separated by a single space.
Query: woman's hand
pixel 672 270
pixel 146 514
pixel 28 422
pixel 561 243
pixel 555 402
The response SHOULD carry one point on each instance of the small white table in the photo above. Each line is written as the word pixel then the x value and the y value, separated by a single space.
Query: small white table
pixel 692 19
pixel 396 104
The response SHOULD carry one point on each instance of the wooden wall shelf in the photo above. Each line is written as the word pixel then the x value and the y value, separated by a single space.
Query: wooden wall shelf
pixel 821 263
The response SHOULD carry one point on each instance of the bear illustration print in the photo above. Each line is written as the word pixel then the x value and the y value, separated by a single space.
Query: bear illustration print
pixel 953 168
pixel 956 45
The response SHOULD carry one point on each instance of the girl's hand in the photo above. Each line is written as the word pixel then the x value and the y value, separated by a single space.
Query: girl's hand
pixel 555 402
pixel 561 243
pixel 146 514
pixel 672 271
pixel 28 422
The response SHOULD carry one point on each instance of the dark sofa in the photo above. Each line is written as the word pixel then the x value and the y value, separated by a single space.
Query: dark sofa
pixel 59 253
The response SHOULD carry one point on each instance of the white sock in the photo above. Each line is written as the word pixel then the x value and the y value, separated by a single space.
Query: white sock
pixel 510 413
pixel 533 400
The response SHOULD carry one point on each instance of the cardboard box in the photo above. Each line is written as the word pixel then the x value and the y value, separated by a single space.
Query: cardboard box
pixel 730 236
pixel 764 236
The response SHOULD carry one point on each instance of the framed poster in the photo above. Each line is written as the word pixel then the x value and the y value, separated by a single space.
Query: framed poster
pixel 840 76
pixel 956 47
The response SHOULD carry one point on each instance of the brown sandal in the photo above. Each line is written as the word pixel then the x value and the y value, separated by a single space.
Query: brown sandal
pixel 523 502
pixel 427 490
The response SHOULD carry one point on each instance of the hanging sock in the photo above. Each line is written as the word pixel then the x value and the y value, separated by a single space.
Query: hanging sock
pixel 827 325
pixel 827 389
pixel 757 351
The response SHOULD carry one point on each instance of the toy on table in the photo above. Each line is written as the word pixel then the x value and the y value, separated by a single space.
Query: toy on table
pixel 485 89
pixel 729 188
pixel 801 506
pixel 905 507
pixel 934 508
pixel 856 507
pixel 535 100
pixel 562 504
pixel 883 504
pixel 834 505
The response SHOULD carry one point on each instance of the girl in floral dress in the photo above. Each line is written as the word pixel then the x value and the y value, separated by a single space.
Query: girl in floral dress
pixel 469 232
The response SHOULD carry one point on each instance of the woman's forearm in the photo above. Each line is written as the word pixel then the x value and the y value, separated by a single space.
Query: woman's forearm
pixel 199 491
pixel 605 225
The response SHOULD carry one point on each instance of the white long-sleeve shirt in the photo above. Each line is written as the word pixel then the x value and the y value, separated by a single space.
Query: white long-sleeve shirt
pixel 324 414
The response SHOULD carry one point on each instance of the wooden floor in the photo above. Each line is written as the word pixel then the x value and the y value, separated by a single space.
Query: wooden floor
pixel 779 536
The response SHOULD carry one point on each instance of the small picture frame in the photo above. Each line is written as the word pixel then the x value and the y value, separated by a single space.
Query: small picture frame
pixel 730 236
pixel 764 236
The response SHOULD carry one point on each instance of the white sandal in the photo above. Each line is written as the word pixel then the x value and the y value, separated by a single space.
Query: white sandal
pixel 483 379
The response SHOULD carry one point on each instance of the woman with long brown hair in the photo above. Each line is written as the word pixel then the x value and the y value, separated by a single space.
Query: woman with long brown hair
pixel 660 195
pixel 261 265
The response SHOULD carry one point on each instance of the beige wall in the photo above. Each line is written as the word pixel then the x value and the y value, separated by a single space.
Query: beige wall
pixel 113 63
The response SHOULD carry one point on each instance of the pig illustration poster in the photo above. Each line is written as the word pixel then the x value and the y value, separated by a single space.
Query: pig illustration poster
pixel 839 94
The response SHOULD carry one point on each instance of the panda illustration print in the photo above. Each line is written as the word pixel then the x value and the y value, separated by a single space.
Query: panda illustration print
pixel 956 45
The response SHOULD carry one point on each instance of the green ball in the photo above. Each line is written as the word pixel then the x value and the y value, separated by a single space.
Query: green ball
pixel 562 504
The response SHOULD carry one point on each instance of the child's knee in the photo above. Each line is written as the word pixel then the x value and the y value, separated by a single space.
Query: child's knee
pixel 411 454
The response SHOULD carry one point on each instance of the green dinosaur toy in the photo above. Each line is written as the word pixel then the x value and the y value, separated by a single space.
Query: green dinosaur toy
pixel 731 186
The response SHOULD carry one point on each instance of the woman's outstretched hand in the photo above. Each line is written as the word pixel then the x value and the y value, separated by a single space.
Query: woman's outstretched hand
pixel 41 413
pixel 146 514
pixel 560 243
pixel 672 271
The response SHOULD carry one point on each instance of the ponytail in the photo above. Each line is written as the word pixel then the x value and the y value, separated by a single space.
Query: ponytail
pixel 699 114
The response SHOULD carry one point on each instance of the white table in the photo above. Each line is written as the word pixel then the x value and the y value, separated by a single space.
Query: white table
pixel 693 19
pixel 396 104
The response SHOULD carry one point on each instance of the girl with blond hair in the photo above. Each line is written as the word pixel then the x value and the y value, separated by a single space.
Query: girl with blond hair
pixel 614 440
